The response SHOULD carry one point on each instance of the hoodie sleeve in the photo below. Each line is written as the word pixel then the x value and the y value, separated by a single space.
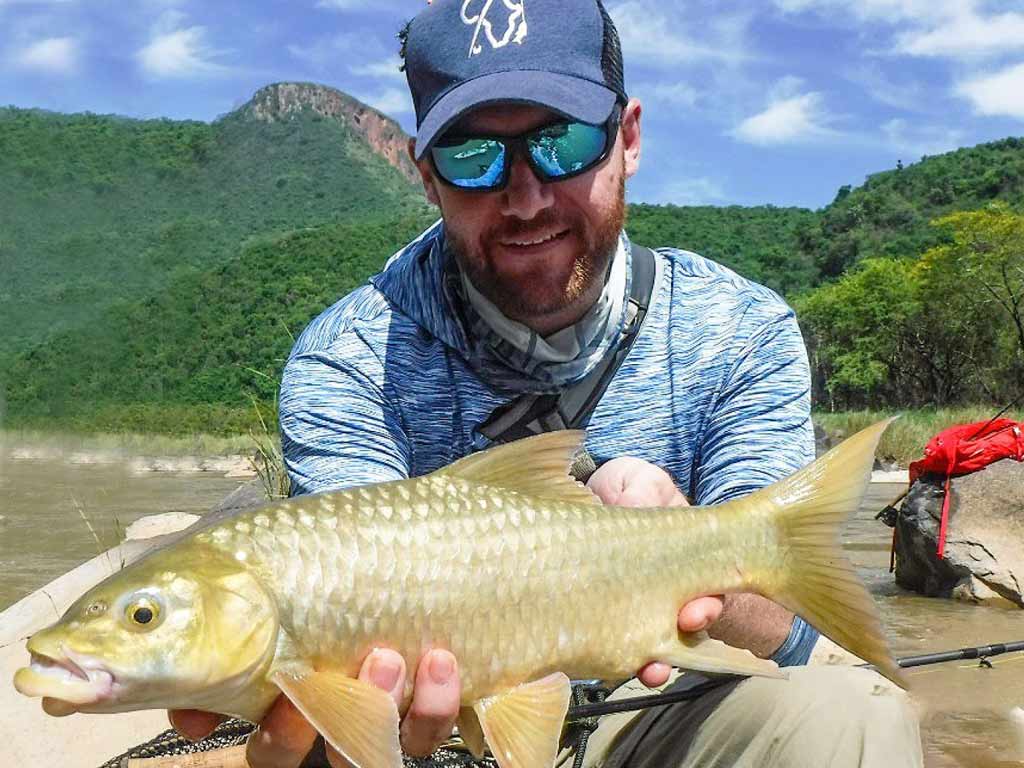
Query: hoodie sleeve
pixel 338 429
pixel 760 430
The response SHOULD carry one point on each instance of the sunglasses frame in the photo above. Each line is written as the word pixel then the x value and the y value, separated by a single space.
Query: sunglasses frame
pixel 518 145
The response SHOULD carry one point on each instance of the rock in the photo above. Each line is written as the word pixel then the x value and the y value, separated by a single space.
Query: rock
pixel 281 101
pixel 823 443
pixel 891 476
pixel 984 543
pixel 159 525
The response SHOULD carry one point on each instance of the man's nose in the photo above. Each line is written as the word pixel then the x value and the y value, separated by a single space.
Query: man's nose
pixel 525 196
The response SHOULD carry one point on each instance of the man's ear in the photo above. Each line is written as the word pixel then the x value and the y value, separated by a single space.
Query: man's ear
pixel 426 175
pixel 631 136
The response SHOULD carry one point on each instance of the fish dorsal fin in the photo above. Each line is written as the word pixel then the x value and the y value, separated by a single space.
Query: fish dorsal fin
pixel 523 726
pixel 534 466
pixel 358 720
pixel 470 732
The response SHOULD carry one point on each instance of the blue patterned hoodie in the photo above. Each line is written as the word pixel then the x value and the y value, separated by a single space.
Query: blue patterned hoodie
pixel 716 389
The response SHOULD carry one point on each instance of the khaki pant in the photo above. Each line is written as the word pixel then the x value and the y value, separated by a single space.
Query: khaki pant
pixel 820 717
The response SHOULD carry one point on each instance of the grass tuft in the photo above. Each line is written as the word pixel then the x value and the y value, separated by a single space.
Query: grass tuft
pixel 906 438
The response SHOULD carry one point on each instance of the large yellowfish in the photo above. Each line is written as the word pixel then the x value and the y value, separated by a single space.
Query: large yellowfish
pixel 500 557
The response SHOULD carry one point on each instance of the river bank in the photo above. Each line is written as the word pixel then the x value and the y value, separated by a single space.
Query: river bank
pixel 192 437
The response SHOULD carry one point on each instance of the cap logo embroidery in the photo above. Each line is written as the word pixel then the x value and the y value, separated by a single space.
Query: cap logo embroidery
pixel 515 30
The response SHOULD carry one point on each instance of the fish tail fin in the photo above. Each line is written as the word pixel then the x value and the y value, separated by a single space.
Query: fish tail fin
pixel 820 584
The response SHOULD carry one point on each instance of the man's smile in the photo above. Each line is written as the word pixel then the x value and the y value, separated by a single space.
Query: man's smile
pixel 529 245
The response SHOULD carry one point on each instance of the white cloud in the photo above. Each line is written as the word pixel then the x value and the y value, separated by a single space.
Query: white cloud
pixel 996 93
pixel 390 101
pixel 942 28
pixel 787 120
pixel 888 11
pixel 345 5
pixel 387 69
pixel 649 35
pixel 54 55
pixel 916 139
pixel 966 35
pixel 181 53
pixel 698 190
pixel 326 53
pixel 905 95
pixel 674 94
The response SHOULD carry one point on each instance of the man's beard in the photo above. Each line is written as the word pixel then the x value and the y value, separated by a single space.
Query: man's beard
pixel 541 297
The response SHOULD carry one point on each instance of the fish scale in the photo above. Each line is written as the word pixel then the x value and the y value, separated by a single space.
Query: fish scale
pixel 500 558
pixel 531 591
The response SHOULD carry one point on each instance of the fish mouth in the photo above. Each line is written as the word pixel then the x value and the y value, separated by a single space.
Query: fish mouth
pixel 66 682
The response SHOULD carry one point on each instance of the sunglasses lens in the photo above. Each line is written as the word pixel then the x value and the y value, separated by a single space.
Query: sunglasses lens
pixel 568 148
pixel 471 164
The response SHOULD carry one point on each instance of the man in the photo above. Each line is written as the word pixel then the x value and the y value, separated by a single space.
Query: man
pixel 525 140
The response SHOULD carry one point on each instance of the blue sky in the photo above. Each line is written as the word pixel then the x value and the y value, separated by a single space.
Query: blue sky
pixel 774 101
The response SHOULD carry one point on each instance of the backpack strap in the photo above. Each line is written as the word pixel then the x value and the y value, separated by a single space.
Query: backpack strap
pixel 533 414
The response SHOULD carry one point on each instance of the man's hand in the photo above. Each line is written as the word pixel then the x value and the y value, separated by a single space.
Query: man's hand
pixel 285 737
pixel 629 482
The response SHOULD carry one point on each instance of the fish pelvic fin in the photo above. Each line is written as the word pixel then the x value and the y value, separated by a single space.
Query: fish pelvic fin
pixel 699 652
pixel 471 732
pixel 819 581
pixel 358 720
pixel 523 726
pixel 534 466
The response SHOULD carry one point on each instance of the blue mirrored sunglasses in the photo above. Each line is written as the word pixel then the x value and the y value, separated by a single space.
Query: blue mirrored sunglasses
pixel 555 152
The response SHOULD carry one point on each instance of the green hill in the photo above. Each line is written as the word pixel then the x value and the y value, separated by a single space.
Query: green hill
pixel 100 209
pixel 889 215
pixel 213 338
pixel 192 355
pixel 159 270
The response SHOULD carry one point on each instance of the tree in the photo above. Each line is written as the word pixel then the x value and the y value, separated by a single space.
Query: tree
pixel 982 271
pixel 857 328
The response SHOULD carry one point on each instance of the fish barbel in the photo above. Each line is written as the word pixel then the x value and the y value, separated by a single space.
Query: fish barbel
pixel 501 558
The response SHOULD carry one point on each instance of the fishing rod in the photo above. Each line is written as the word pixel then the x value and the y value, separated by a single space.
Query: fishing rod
pixel 597 709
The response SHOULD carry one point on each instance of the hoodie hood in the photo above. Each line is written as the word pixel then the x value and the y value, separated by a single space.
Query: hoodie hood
pixel 422 282
pixel 416 282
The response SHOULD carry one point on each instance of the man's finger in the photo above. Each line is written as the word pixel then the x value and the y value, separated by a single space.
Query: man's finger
pixel 654 674
pixel 436 697
pixel 700 613
pixel 193 724
pixel 386 670
pixel 282 740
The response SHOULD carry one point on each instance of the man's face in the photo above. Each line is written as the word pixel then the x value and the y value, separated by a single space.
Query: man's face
pixel 538 251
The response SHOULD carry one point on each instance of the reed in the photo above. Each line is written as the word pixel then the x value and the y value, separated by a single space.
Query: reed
pixel 906 438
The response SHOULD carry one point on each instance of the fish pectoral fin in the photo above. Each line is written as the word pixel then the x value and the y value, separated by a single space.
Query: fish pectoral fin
pixel 523 726
pixel 470 732
pixel 697 651
pixel 358 720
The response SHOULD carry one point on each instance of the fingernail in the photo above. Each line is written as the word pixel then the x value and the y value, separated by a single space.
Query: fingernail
pixel 383 675
pixel 441 667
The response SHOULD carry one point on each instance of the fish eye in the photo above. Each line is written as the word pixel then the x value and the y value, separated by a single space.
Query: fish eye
pixel 143 613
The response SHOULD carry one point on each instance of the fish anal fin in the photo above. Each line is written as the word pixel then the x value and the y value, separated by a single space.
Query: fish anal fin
pixel 358 720
pixel 696 651
pixel 471 732
pixel 523 726
pixel 534 466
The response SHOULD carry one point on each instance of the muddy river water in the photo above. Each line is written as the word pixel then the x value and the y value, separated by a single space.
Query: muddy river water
pixel 59 507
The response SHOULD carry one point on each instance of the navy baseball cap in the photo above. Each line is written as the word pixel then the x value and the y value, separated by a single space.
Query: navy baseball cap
pixel 560 54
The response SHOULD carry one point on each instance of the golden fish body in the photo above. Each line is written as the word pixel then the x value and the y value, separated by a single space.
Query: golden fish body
pixel 500 558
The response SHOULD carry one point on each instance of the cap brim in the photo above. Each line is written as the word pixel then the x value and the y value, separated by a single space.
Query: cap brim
pixel 573 97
